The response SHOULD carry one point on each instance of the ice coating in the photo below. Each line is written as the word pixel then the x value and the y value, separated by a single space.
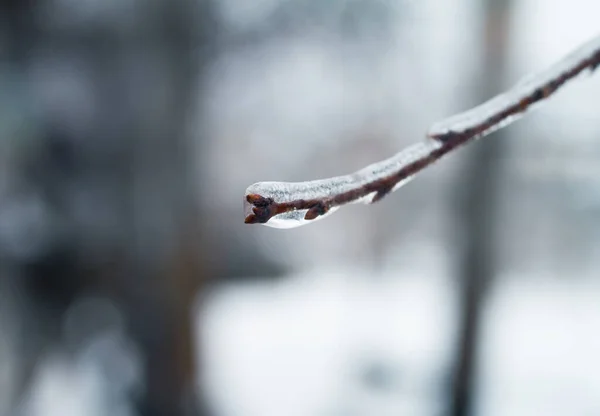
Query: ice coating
pixel 477 116
pixel 522 97
pixel 328 191
pixel 294 219
pixel 281 192
pixel 391 165
pixel 289 205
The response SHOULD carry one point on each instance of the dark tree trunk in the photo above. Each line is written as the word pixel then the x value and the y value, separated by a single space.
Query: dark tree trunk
pixel 129 158
pixel 478 209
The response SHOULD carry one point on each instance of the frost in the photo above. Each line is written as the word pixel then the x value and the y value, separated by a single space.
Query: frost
pixel 478 117
pixel 327 189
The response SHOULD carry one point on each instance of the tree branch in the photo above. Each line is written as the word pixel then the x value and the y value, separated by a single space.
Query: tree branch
pixel 288 205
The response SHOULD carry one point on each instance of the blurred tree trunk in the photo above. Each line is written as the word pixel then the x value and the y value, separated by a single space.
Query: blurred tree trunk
pixel 112 169
pixel 478 208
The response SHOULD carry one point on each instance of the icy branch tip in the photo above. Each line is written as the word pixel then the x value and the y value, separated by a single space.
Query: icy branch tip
pixel 284 205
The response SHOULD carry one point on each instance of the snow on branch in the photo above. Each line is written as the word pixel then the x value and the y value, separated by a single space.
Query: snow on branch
pixel 288 205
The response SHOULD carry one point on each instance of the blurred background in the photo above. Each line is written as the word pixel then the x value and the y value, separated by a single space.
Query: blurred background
pixel 129 284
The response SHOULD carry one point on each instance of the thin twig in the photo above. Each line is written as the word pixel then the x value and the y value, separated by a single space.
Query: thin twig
pixel 286 205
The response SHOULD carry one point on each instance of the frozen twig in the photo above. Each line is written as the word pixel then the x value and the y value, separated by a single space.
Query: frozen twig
pixel 287 205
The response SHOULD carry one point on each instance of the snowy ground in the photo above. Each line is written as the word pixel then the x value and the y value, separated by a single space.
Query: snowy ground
pixel 350 343
pixel 330 343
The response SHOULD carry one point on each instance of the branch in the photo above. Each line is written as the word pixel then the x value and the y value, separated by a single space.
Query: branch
pixel 287 205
